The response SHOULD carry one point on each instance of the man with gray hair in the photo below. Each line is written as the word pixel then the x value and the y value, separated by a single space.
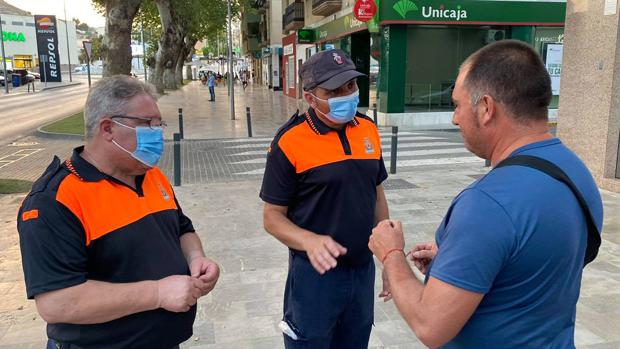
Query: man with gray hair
pixel 505 268
pixel 108 255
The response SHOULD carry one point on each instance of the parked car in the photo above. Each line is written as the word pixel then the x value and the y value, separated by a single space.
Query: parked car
pixel 36 75
pixel 9 72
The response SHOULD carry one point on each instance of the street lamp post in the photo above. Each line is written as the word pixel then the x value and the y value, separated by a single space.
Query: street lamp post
pixel 6 81
pixel 67 36
pixel 231 78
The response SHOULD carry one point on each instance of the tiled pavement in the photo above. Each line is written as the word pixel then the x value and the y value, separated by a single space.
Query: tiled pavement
pixel 244 309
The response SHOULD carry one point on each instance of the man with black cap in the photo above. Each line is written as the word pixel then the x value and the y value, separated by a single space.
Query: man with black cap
pixel 323 195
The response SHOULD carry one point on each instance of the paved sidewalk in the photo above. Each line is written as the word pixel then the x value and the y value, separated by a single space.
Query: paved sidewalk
pixel 244 309
pixel 246 306
pixel 211 120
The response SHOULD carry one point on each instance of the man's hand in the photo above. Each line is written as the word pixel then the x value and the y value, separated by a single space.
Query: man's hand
pixel 387 236
pixel 422 255
pixel 177 293
pixel 386 293
pixel 322 252
pixel 206 271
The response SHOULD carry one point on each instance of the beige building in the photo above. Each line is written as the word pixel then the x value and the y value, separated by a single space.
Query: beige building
pixel 589 114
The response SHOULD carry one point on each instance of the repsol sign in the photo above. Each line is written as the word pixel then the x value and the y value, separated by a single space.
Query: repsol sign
pixel 47 46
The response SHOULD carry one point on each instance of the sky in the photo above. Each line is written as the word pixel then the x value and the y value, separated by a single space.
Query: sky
pixel 82 9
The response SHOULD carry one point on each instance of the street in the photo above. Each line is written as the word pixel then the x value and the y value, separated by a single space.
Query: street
pixel 21 114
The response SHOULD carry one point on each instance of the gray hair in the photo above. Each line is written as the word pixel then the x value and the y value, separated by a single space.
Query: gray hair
pixel 110 96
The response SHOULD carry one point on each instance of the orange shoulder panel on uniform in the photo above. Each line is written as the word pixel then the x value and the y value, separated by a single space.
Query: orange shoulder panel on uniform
pixel 105 206
pixel 307 150
pixel 32 214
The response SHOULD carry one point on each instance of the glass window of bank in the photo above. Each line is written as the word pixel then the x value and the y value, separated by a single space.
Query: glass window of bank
pixel 435 53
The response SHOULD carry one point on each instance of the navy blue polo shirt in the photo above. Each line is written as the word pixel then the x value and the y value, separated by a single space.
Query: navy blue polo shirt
pixel 78 224
pixel 328 179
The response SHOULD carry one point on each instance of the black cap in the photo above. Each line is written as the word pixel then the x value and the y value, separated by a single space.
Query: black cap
pixel 328 69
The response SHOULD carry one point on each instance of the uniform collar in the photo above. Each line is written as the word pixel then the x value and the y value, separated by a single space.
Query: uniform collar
pixel 319 127
pixel 87 172
pixel 83 169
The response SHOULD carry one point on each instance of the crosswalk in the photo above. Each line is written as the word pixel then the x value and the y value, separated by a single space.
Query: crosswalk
pixel 415 150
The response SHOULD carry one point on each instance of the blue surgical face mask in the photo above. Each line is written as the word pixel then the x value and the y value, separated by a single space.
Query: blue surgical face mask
pixel 341 109
pixel 149 144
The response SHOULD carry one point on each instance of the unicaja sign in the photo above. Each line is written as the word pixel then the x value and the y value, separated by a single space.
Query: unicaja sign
pixel 442 12
pixel 403 7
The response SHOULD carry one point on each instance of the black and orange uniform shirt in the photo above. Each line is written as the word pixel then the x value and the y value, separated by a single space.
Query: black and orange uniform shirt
pixel 327 178
pixel 79 224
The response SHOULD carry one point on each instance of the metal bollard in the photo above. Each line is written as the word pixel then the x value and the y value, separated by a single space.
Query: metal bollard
pixel 249 119
pixel 181 123
pixel 374 112
pixel 393 149
pixel 177 159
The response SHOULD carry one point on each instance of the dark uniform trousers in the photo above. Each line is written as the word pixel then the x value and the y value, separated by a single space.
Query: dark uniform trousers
pixel 334 310
pixel 52 344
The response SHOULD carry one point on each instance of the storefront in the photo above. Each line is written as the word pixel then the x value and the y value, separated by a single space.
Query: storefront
pixel 345 33
pixel 353 37
pixel 289 65
pixel 424 43
pixel 20 42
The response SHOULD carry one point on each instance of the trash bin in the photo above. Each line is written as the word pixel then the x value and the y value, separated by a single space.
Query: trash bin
pixel 16 80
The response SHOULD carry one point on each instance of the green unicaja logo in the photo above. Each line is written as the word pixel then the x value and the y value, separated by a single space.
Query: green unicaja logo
pixel 402 7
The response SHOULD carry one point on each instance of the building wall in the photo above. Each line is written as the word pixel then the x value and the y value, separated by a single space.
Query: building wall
pixel 25 25
pixel 275 22
pixel 589 112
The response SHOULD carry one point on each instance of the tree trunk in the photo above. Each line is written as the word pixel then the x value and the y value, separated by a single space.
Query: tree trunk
pixel 169 45
pixel 116 46
pixel 188 72
pixel 185 56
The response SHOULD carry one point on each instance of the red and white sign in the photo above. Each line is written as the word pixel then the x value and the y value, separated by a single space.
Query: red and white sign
pixel 364 10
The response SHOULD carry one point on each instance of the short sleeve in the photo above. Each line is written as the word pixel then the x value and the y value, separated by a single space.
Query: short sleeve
pixel 185 224
pixel 280 179
pixel 53 245
pixel 475 243
pixel 382 173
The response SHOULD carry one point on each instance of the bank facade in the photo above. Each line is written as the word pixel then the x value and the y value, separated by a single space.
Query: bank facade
pixel 412 49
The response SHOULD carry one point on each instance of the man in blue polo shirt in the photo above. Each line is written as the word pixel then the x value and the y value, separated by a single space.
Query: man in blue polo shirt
pixel 323 195
pixel 505 271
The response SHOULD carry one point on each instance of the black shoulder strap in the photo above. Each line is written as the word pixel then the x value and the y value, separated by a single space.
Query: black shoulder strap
pixel 594 236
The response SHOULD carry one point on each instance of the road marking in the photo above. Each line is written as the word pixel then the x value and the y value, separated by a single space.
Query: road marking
pixel 429 152
pixel 269 139
pixel 387 141
pixel 384 147
pixel 440 161
pixel 18 155
pixel 402 163
pixel 23 144
pixel 401 154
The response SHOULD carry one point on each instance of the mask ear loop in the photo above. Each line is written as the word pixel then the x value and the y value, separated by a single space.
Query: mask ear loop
pixel 118 145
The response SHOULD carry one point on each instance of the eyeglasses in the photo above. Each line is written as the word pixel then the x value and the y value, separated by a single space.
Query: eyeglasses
pixel 151 122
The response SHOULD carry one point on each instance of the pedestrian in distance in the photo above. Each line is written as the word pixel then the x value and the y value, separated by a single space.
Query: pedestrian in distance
pixel 323 195
pixel 211 85
pixel 108 255
pixel 244 79
pixel 506 266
